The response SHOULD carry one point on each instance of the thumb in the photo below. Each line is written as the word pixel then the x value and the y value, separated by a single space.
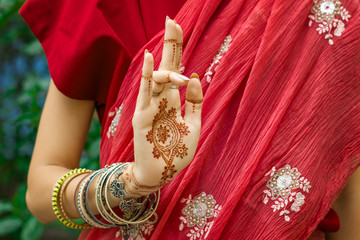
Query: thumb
pixel 194 101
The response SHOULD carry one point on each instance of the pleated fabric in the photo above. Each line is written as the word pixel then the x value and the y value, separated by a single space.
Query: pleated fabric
pixel 281 95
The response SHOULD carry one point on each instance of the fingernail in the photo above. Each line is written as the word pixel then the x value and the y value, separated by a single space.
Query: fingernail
pixel 175 22
pixel 146 51
pixel 194 75
pixel 182 77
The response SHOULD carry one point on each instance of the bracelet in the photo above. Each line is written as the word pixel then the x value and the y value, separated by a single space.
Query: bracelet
pixel 135 206
pixel 81 205
pixel 62 189
pixel 117 187
pixel 56 195
pixel 96 221
pixel 99 191
pixel 76 195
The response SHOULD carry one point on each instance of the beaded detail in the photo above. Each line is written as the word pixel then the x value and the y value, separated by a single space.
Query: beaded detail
pixel 216 60
pixel 115 121
pixel 139 232
pixel 330 16
pixel 56 197
pixel 198 211
pixel 283 190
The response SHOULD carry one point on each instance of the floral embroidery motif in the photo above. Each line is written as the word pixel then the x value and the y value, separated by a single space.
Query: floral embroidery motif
pixel 115 121
pixel 324 12
pixel 283 185
pixel 216 60
pixel 197 212
pixel 137 233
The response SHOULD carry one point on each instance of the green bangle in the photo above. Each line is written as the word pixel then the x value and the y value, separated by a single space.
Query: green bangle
pixel 56 195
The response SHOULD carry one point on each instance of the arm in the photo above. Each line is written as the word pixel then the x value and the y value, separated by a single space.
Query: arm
pixel 60 140
pixel 348 208
pixel 65 122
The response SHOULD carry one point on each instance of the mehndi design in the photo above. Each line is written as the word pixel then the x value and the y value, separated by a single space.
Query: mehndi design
pixel 149 82
pixel 167 137
pixel 194 102
pixel 173 42
pixel 178 63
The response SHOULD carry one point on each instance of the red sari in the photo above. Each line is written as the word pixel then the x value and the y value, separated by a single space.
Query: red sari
pixel 279 98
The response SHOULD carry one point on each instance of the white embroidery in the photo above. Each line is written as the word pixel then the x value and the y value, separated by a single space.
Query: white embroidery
pixel 115 121
pixel 324 12
pixel 283 185
pixel 197 211
pixel 216 60
pixel 139 232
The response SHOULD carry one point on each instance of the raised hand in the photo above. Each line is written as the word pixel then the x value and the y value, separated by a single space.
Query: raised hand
pixel 164 141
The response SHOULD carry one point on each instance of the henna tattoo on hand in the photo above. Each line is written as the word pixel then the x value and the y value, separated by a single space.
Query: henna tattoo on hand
pixel 179 45
pixel 167 137
pixel 139 188
pixel 194 102
pixel 149 82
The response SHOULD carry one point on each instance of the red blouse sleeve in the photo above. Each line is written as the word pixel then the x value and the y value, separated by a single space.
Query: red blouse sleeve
pixel 81 48
pixel 89 44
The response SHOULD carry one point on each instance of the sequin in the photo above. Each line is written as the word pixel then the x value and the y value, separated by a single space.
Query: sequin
pixel 285 186
pixel 216 60
pixel 138 232
pixel 330 17
pixel 115 121
pixel 197 213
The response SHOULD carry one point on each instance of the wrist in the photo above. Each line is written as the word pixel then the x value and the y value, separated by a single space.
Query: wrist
pixel 133 188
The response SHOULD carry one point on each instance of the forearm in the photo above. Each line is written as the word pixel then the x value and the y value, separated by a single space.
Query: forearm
pixel 39 199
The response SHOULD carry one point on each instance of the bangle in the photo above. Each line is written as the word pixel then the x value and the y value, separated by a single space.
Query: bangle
pixel 56 195
pixel 116 186
pixel 61 207
pixel 135 213
pixel 76 196
pixel 84 212
pixel 94 221
pixel 99 193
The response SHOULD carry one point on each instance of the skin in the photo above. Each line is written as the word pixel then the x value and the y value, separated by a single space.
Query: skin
pixel 56 151
pixel 348 208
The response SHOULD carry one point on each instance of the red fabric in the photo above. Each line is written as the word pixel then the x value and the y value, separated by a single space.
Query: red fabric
pixel 281 95
pixel 317 235
pixel 287 97
pixel 331 222
pixel 83 49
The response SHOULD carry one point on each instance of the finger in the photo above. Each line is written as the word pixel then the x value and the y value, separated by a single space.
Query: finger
pixel 179 43
pixel 145 90
pixel 169 47
pixel 157 88
pixel 194 101
pixel 170 77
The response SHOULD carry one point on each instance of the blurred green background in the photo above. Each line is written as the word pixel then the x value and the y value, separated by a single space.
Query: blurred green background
pixel 24 79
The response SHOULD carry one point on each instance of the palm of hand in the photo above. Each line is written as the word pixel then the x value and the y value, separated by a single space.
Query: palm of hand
pixel 164 141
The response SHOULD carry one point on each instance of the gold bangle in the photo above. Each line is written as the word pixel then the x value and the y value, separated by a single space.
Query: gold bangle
pixel 99 194
pixel 62 189
pixel 82 203
pixel 56 195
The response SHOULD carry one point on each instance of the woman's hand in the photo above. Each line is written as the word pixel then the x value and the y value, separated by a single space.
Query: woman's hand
pixel 164 141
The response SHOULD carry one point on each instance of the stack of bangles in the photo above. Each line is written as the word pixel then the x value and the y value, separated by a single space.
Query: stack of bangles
pixel 130 213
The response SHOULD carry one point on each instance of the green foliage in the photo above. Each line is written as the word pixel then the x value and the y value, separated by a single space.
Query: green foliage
pixel 24 80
